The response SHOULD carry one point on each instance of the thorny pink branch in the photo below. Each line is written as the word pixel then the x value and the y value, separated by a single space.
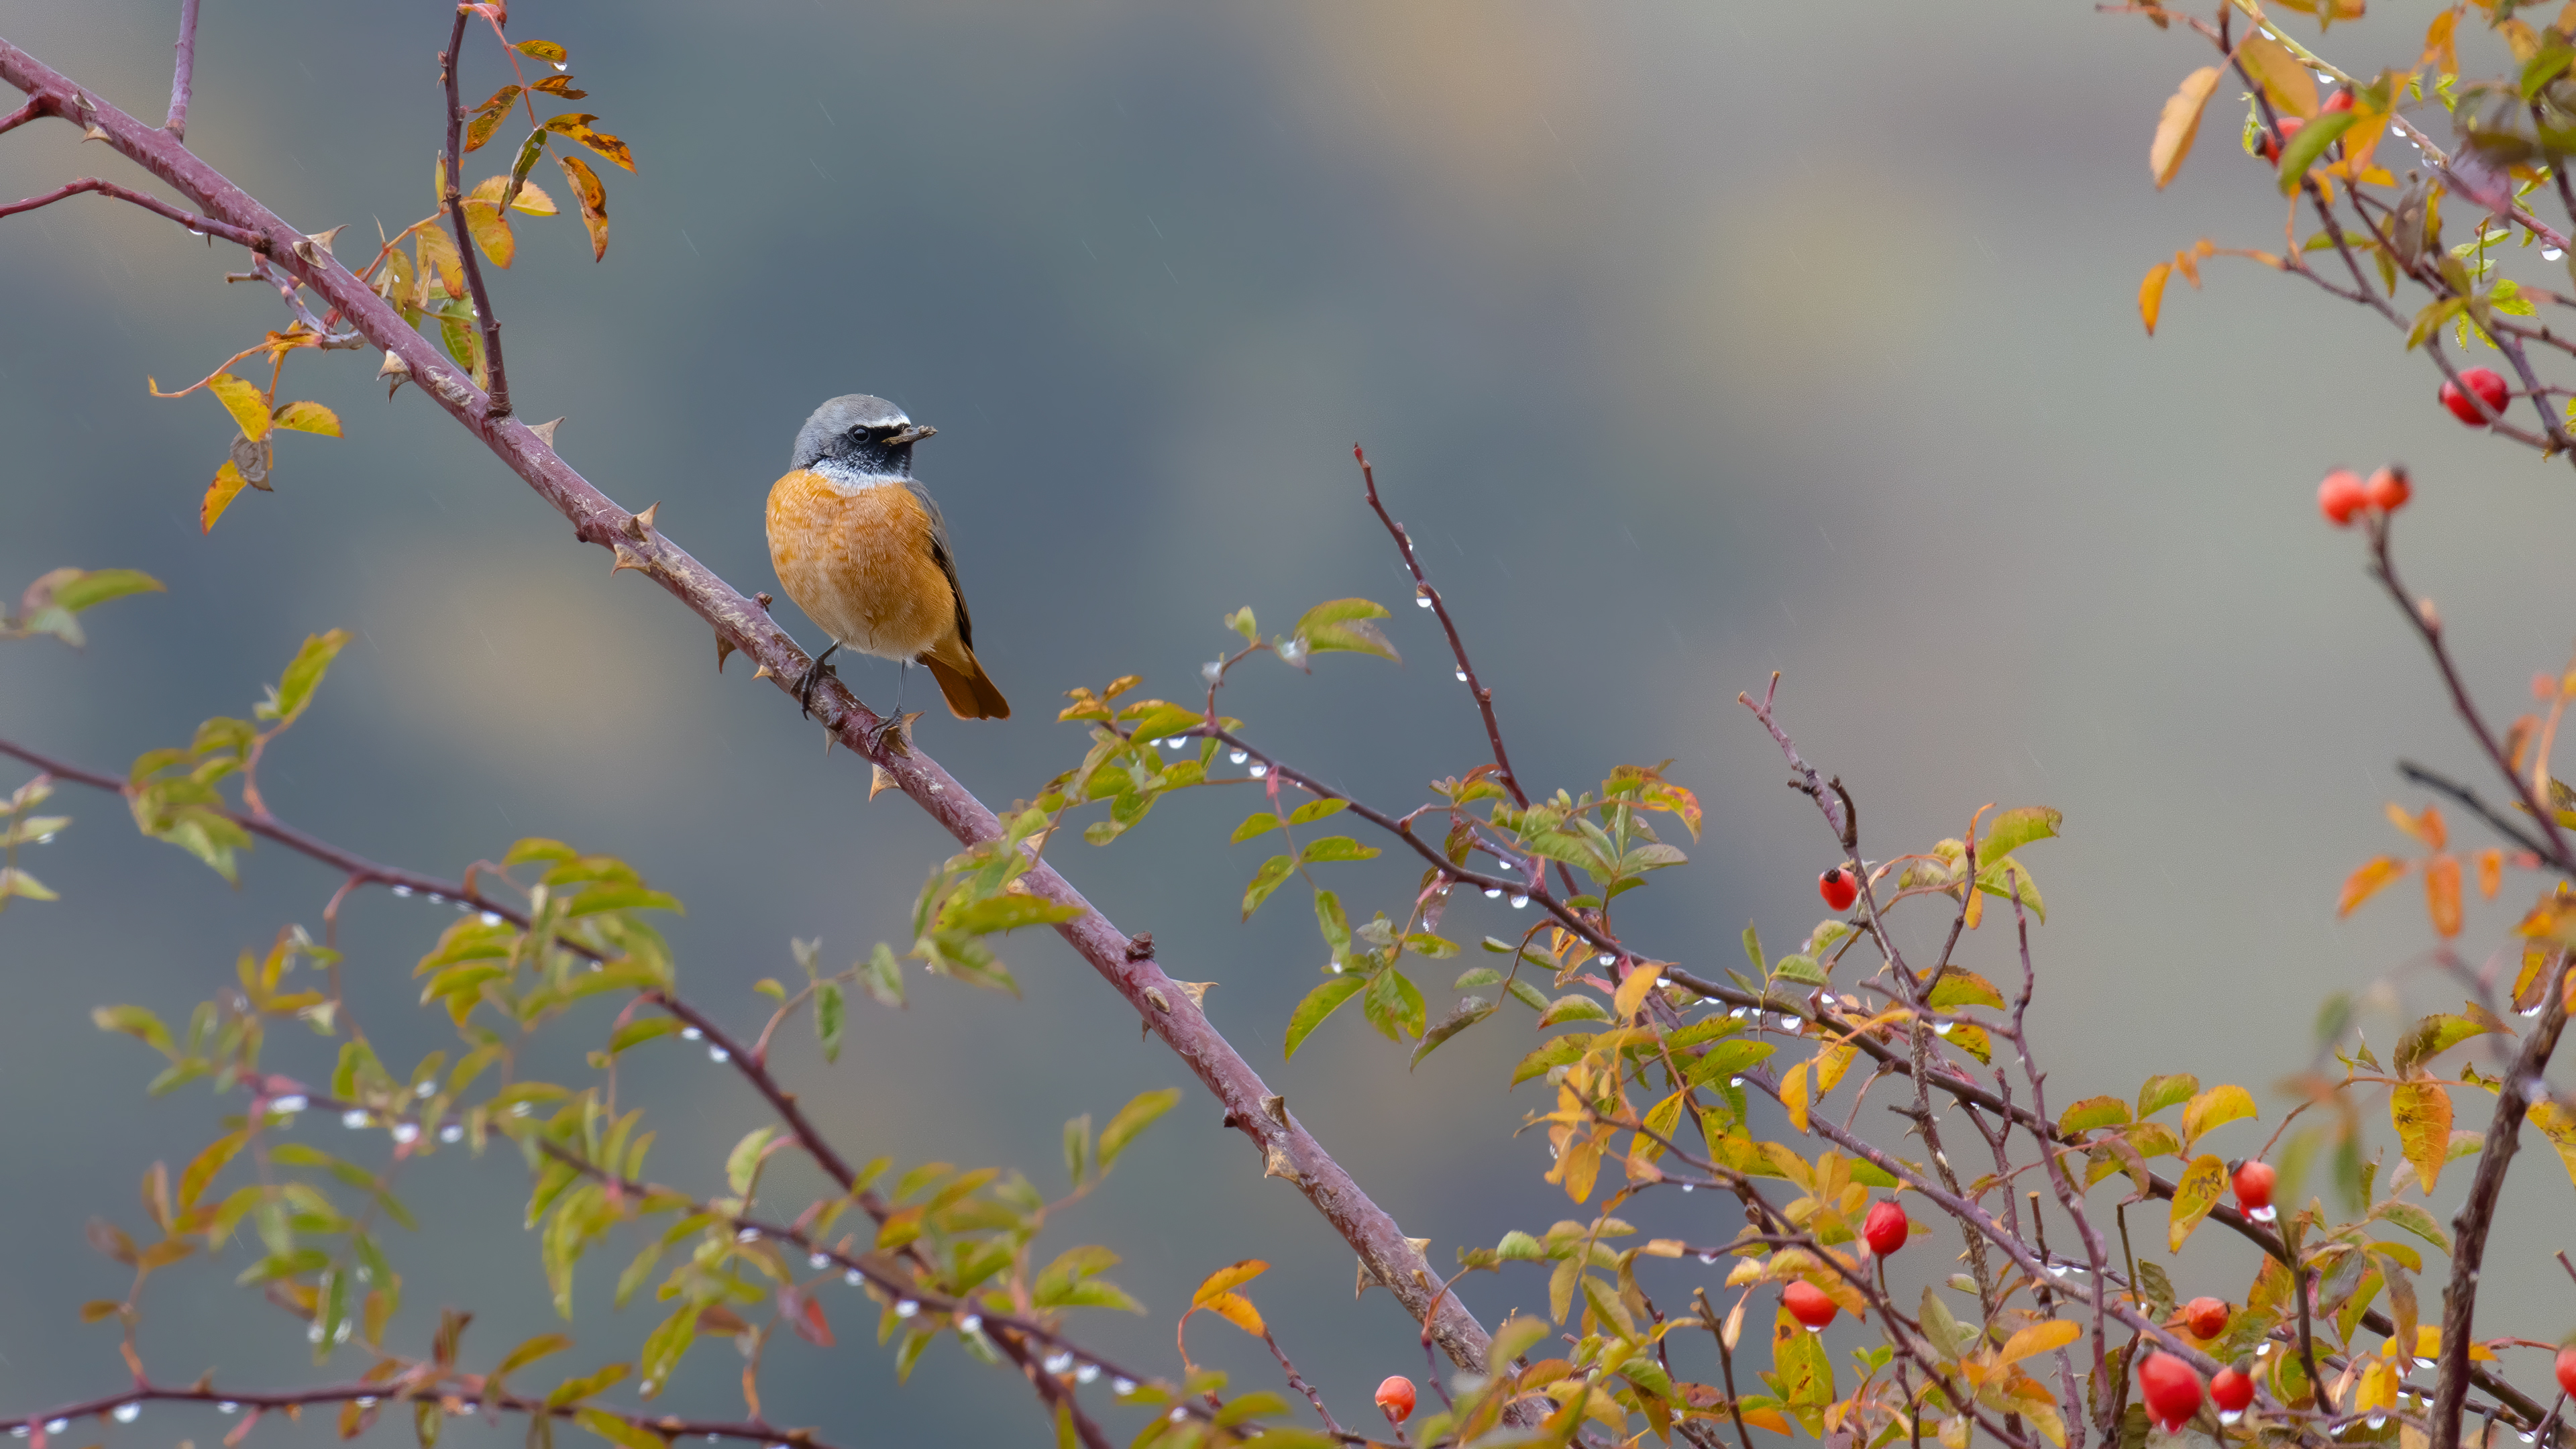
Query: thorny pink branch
pixel 1287 1150
pixel 397 1391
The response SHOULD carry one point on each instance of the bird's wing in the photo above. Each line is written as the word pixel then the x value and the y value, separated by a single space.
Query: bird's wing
pixel 947 565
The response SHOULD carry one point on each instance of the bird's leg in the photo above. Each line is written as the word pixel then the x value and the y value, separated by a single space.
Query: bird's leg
pixel 813 675
pixel 891 727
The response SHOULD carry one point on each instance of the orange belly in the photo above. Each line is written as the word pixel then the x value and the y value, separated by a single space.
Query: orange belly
pixel 860 563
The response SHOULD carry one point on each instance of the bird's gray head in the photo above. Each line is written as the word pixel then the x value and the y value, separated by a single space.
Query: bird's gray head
pixel 861 433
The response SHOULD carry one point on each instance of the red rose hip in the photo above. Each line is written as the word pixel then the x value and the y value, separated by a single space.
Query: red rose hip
pixel 1808 1304
pixel 2231 1392
pixel 1886 1228
pixel 1395 1396
pixel 2567 1368
pixel 2339 101
pixel 2172 1390
pixel 2489 388
pixel 1839 887
pixel 2254 1189
pixel 2389 488
pixel 2205 1317
pixel 2341 496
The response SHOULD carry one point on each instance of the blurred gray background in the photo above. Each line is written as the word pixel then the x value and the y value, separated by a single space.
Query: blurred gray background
pixel 1693 341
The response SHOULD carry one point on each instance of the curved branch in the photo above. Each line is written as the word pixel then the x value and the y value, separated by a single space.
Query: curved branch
pixel 398 1390
pixel 203 225
pixel 1287 1149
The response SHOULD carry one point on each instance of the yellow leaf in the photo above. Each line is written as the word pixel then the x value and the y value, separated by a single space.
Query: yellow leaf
pixel 2559 1126
pixel 592 198
pixel 2366 882
pixel 2179 124
pixel 2441 50
pixel 2290 84
pixel 1236 1309
pixel 438 253
pixel 491 232
pixel 247 404
pixel 533 200
pixel 219 496
pixel 2421 1112
pixel 2194 1196
pixel 2215 1107
pixel 1831 1063
pixel 1793 1095
pixel 2040 1338
pixel 2428 829
pixel 309 417
pixel 2151 294
pixel 1632 992
pixel 1233 1275
pixel 2442 894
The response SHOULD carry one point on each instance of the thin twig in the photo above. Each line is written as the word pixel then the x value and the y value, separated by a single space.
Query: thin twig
pixel 184 75
pixel 498 386
pixel 204 226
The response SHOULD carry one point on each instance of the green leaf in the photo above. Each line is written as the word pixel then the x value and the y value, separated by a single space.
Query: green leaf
pixel 1469 1011
pixel 1003 911
pixel 1242 622
pixel 137 1022
pixel 2414 1219
pixel 294 690
pixel 1320 1003
pixel 2311 142
pixel 1394 1005
pixel 828 1013
pixel 635 1033
pixel 1265 880
pixel 530 1351
pixel 1574 1007
pixel 1800 968
pixel 1753 952
pixel 1135 1117
pixel 1316 810
pixel 1344 624
pixel 574 1390
pixel 1335 848
pixel 623 1433
pixel 1956 987
pixel 2093 1112
pixel 742 1165
pixel 2162 1092
pixel 882 976
pixel 1259 822
pixel 2014 829
pixel 90 588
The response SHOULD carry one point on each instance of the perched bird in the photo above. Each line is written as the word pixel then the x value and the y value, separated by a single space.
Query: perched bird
pixel 862 549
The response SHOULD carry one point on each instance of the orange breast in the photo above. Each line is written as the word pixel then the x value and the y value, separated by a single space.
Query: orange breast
pixel 859 562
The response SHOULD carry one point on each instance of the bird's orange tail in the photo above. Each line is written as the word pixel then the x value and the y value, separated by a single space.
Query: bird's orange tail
pixel 969 692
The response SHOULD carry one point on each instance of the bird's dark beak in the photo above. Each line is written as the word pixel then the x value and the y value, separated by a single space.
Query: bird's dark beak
pixel 912 433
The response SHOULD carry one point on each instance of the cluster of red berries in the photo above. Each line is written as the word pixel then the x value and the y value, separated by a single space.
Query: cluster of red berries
pixel 2344 495
pixel 2270 144
pixel 1885 1229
